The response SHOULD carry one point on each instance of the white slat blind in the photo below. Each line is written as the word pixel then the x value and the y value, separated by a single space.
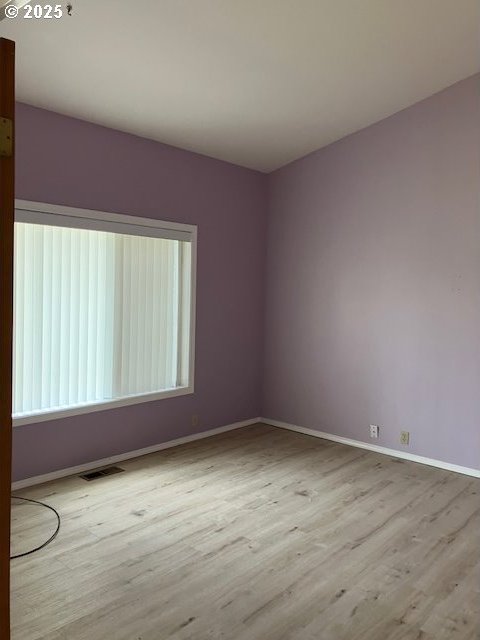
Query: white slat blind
pixel 149 325
pixel 97 316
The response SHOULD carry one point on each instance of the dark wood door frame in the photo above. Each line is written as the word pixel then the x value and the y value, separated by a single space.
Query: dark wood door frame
pixel 7 114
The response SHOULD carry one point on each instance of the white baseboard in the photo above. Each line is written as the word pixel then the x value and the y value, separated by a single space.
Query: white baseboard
pixel 404 455
pixel 104 462
pixel 96 464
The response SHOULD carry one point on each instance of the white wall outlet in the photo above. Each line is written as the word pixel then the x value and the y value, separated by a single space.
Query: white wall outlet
pixel 404 437
pixel 195 420
pixel 374 431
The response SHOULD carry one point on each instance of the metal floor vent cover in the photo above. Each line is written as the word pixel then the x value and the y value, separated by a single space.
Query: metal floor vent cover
pixel 101 473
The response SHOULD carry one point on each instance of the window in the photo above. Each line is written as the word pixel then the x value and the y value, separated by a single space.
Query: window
pixel 103 311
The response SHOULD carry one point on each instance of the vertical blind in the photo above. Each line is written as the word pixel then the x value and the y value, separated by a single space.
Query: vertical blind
pixel 98 316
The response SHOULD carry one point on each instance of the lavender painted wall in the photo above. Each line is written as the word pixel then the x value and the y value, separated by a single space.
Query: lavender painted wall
pixel 65 161
pixel 373 282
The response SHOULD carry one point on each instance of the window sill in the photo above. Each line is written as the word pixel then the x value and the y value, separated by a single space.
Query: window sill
pixel 45 416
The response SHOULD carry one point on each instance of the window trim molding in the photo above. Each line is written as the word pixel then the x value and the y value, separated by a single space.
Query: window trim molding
pixel 53 414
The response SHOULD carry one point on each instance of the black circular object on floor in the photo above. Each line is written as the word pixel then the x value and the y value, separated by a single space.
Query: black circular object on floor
pixel 50 539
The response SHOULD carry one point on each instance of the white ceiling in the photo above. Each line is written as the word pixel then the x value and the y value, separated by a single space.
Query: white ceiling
pixel 255 82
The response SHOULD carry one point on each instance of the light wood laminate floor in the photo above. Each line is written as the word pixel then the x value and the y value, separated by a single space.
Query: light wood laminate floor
pixel 256 534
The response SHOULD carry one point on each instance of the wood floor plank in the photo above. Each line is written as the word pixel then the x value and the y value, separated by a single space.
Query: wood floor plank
pixel 260 534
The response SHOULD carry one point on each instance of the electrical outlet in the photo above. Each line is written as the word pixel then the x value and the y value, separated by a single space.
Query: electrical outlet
pixel 404 437
pixel 374 431
pixel 195 420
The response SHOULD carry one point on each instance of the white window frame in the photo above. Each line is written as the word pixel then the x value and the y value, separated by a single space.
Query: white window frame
pixel 164 229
